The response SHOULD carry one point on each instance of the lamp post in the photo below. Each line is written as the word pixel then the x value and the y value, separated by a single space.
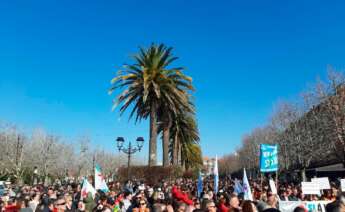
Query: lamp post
pixel 35 175
pixel 130 149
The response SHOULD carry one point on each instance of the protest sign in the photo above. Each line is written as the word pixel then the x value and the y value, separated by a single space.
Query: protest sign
pixel 323 182
pixel 268 158
pixel 273 187
pixel 310 188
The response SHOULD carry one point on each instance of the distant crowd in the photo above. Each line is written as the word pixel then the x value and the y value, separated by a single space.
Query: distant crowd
pixel 167 196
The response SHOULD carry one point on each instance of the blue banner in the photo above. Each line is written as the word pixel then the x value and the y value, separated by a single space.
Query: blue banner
pixel 268 158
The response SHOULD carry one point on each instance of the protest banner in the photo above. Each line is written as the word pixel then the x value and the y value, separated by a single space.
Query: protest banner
pixel 311 206
pixel 310 188
pixel 323 182
pixel 268 158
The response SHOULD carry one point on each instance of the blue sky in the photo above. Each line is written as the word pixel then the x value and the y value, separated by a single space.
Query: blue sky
pixel 57 59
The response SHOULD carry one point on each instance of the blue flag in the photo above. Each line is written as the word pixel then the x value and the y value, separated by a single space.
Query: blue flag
pixel 238 187
pixel 268 158
pixel 200 184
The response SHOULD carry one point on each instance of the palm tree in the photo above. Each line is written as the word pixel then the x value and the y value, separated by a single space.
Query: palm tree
pixel 184 137
pixel 149 84
pixel 191 155
pixel 167 113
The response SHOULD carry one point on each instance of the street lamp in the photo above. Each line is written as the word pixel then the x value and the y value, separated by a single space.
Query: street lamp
pixel 129 150
pixel 35 175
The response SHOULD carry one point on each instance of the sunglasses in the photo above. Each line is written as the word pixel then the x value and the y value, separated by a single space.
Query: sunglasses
pixel 143 203
pixel 63 203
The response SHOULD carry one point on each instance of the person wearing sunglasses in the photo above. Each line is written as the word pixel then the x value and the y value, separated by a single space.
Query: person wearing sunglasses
pixel 142 206
pixel 60 205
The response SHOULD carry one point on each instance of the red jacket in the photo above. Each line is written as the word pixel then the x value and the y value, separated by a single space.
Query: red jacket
pixel 180 196
pixel 11 208
pixel 223 208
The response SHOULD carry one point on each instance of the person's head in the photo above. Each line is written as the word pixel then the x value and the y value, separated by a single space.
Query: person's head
pixel 128 195
pixel 196 203
pixel 211 206
pixel 234 202
pixel 103 200
pixel 60 204
pixel 50 204
pixel 272 200
pixel 299 209
pixel 150 192
pixel 179 206
pixel 248 206
pixel 68 200
pixel 142 203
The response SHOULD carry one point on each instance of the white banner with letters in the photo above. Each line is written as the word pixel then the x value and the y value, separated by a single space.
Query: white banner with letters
pixel 311 206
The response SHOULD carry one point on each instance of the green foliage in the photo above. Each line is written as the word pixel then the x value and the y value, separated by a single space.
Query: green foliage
pixel 185 137
pixel 152 175
pixel 153 89
pixel 150 81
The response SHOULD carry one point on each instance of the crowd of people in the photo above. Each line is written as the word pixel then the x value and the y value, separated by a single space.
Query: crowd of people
pixel 180 195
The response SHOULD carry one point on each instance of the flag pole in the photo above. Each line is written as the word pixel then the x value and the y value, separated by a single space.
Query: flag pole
pixel 261 183
pixel 277 178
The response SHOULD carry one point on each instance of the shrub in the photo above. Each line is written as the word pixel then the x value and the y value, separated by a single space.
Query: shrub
pixel 151 175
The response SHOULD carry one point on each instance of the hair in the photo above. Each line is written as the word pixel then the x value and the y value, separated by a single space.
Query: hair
pixel 126 194
pixel 247 206
pixel 299 209
pixel 177 205
pixel 336 206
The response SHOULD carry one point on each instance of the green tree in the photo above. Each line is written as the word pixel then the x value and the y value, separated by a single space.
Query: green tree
pixel 185 139
pixel 148 85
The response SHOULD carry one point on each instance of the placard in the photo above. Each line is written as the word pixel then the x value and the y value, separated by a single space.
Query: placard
pixel 268 158
pixel 273 187
pixel 310 188
pixel 323 182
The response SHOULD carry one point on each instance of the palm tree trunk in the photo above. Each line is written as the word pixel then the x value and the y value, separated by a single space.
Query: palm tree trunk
pixel 175 151
pixel 179 149
pixel 153 136
pixel 166 139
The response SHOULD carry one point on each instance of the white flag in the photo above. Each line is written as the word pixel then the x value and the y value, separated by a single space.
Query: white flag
pixel 100 183
pixel 216 176
pixel 87 188
pixel 246 187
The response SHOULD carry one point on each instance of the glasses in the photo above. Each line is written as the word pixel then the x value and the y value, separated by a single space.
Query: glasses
pixel 62 203
pixel 143 203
